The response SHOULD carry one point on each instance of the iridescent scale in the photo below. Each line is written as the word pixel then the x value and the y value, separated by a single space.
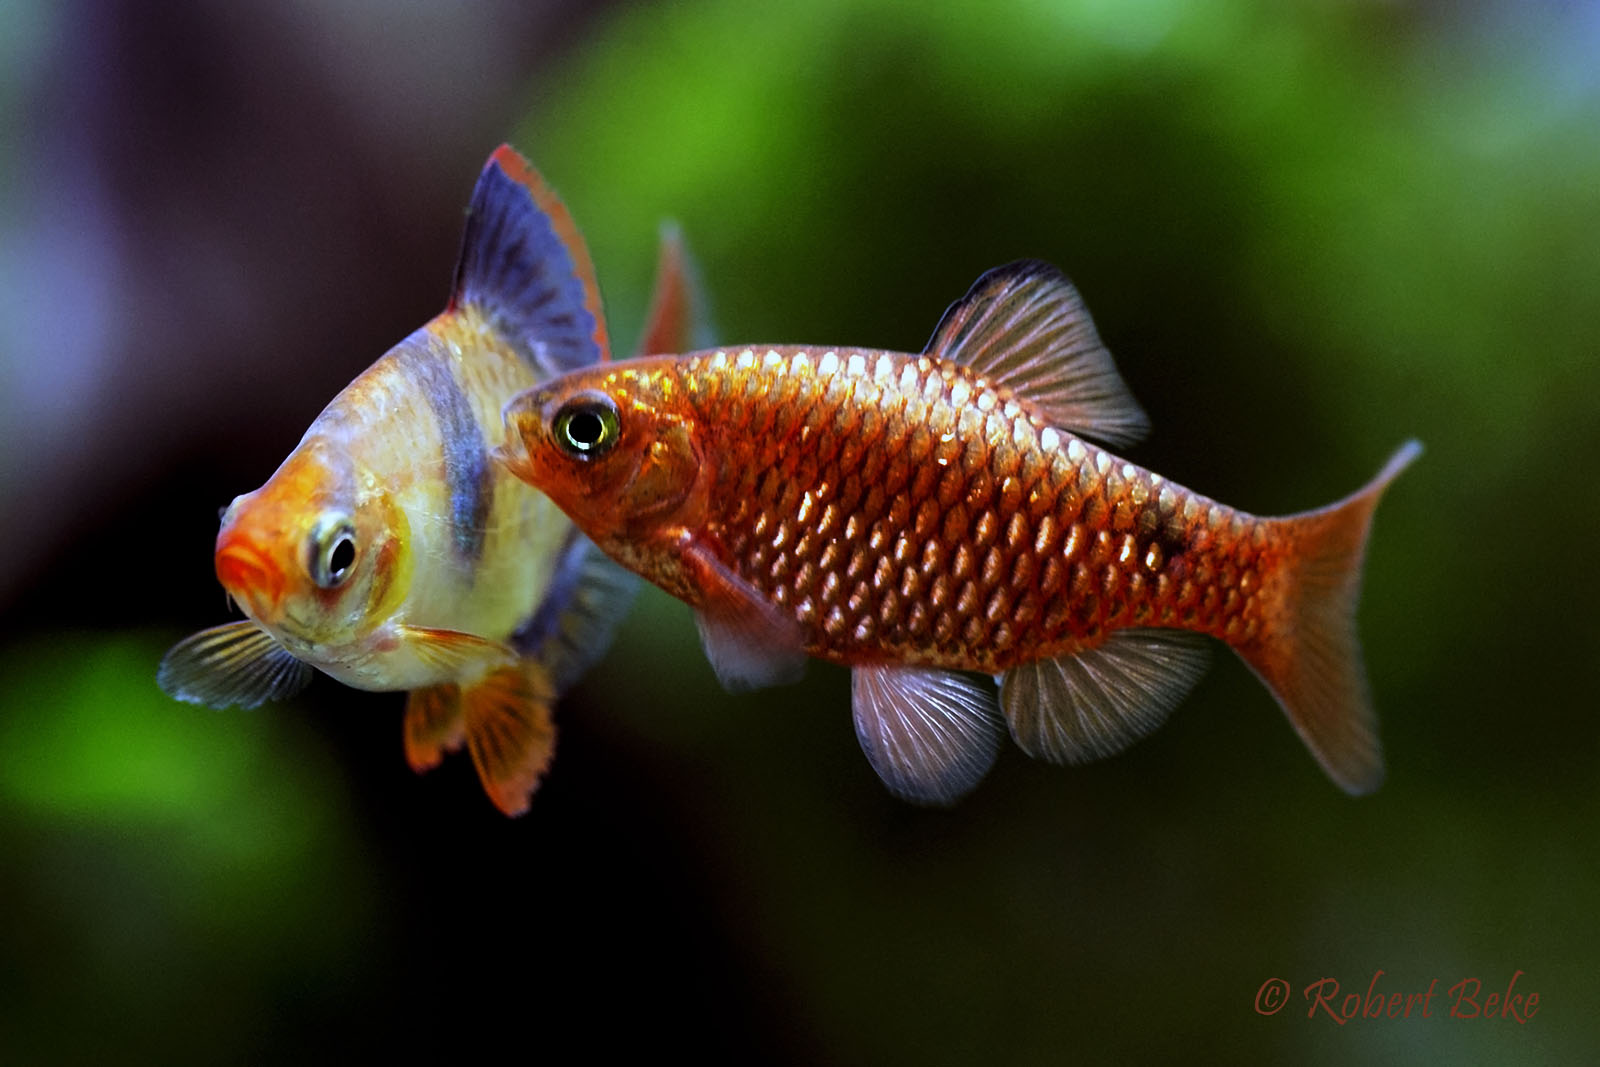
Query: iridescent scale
pixel 905 510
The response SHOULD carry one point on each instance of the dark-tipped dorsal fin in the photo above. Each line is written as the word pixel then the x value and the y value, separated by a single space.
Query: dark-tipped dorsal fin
pixel 1023 326
pixel 524 266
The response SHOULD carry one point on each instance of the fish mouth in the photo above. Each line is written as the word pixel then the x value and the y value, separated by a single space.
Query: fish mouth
pixel 252 579
pixel 514 458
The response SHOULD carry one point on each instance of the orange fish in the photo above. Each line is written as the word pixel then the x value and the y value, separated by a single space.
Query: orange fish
pixel 917 516
pixel 391 552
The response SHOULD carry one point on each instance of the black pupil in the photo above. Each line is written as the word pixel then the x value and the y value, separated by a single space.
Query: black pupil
pixel 344 554
pixel 584 429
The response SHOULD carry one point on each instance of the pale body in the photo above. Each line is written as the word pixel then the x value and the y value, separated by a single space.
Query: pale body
pixel 390 551
pixel 391 454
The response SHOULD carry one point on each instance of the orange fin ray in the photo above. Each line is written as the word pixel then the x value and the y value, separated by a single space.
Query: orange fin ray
pixel 434 725
pixel 1024 327
pixel 679 320
pixel 510 733
pixel 1310 655
pixel 930 734
pixel 750 642
pixel 1088 705
pixel 237 664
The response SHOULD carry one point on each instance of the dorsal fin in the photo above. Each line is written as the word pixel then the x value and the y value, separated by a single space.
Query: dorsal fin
pixel 1024 326
pixel 679 320
pixel 525 267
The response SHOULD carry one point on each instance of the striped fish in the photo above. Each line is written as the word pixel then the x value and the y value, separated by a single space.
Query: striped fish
pixel 392 553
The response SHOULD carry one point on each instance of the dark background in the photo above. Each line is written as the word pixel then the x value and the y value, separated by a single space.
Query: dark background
pixel 1307 230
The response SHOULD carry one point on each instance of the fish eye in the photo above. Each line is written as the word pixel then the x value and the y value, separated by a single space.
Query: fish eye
pixel 333 551
pixel 587 425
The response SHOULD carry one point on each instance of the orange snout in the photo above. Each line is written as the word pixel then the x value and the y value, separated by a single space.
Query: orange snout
pixel 247 574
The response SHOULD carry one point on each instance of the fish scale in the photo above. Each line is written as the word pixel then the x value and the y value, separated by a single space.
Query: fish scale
pixel 917 517
pixel 939 564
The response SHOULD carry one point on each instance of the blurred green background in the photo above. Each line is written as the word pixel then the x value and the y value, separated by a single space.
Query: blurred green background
pixel 1307 230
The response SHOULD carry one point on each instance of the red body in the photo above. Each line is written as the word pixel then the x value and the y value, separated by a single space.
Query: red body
pixel 910 516
pixel 902 510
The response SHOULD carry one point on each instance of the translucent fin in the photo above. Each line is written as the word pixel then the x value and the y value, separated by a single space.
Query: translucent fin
pixel 679 320
pixel 586 600
pixel 1024 326
pixel 510 733
pixel 750 642
pixel 237 664
pixel 524 264
pixel 1310 657
pixel 931 735
pixel 433 726
pixel 747 652
pixel 1095 703
pixel 453 651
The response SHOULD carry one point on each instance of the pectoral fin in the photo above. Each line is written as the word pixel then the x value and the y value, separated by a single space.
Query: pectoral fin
pixel 1095 703
pixel 510 733
pixel 237 664
pixel 433 725
pixel 750 641
pixel 931 735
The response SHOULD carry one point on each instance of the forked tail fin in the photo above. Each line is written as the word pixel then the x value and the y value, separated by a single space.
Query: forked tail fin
pixel 1309 655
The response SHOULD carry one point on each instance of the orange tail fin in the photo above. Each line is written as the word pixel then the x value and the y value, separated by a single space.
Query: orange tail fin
pixel 1310 657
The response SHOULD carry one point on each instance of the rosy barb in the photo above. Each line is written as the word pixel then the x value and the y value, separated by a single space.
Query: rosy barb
pixel 917 516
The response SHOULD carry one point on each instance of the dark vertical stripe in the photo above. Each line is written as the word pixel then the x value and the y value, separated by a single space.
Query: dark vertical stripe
pixel 467 467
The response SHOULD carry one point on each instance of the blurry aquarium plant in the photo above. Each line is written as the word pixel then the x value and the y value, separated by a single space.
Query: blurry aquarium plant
pixel 1306 230
pixel 152 851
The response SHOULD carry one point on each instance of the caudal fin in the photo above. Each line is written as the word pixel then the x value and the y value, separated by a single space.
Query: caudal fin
pixel 1309 656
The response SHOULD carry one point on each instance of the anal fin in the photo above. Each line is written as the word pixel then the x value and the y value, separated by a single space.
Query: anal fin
pixel 434 725
pixel 584 603
pixel 510 732
pixel 930 734
pixel 1091 704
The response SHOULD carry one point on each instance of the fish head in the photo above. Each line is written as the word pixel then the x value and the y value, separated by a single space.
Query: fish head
pixel 617 448
pixel 316 556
